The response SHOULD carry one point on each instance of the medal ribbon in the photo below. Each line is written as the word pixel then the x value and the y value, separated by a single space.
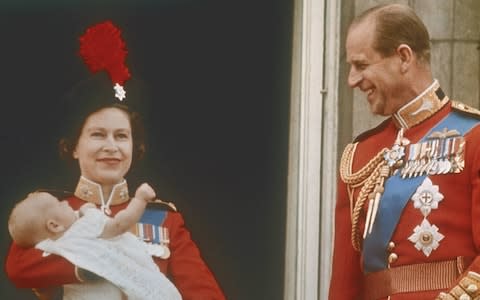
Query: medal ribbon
pixel 149 225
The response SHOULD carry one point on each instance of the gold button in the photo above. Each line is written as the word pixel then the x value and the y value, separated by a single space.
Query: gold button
pixel 426 238
pixel 444 296
pixel 472 288
pixel 391 245
pixel 392 258
pixel 464 297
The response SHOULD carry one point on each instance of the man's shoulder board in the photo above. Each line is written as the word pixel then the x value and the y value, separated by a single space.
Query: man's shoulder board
pixel 458 106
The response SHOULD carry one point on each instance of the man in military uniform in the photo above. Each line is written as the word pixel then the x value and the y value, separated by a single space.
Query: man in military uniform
pixel 407 220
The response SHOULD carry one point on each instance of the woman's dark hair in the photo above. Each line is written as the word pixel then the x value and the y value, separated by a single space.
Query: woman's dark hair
pixel 93 95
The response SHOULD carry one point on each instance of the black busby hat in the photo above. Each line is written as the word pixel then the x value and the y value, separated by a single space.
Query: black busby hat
pixel 103 51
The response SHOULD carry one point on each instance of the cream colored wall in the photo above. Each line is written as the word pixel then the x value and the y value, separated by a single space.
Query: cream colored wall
pixel 454 27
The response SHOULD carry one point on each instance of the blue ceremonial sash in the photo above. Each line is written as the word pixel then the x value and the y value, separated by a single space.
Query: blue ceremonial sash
pixel 396 194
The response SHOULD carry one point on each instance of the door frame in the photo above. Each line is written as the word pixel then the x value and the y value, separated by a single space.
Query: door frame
pixel 312 167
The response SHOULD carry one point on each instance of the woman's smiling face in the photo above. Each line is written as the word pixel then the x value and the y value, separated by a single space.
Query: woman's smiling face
pixel 104 148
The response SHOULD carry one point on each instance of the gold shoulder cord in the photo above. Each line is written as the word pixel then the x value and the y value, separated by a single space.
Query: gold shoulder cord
pixel 368 176
pixel 371 177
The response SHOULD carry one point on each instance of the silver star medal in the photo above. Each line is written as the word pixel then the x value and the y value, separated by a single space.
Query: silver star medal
pixel 119 91
pixel 427 197
pixel 394 155
pixel 426 237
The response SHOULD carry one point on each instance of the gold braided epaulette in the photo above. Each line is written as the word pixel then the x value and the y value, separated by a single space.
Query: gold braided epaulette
pixel 459 106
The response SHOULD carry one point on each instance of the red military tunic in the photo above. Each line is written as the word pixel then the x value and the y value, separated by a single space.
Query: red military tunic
pixel 457 216
pixel 26 268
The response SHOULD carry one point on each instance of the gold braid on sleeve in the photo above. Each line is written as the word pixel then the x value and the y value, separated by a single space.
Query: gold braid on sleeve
pixel 369 177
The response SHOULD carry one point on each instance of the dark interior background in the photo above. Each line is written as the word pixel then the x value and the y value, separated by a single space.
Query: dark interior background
pixel 219 73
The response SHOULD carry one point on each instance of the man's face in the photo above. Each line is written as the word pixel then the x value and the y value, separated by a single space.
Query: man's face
pixel 377 76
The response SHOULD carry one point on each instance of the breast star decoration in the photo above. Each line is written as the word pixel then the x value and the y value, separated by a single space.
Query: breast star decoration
pixel 427 197
pixel 426 236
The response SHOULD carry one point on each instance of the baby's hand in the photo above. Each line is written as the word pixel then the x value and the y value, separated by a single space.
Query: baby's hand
pixel 145 192
pixel 84 207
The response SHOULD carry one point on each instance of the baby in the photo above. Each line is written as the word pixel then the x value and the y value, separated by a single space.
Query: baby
pixel 95 242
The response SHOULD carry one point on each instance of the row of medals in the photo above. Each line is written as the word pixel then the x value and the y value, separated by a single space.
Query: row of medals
pixel 435 156
pixel 159 249
pixel 155 248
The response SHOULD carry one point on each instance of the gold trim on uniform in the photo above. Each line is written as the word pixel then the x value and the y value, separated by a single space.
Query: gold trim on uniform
pixel 442 275
pixel 420 108
pixel 92 192
pixel 467 288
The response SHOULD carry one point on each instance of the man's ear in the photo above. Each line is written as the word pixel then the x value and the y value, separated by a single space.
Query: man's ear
pixel 406 56
pixel 54 227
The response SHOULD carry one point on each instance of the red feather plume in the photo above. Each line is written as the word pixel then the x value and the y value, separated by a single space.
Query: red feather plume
pixel 102 48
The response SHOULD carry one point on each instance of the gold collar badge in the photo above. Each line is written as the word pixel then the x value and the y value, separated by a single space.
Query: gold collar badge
pixel 421 108
pixel 92 192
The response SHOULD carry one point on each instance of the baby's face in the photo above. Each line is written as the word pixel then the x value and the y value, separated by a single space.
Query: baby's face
pixel 61 211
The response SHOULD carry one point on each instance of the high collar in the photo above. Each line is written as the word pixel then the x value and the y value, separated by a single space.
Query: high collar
pixel 421 108
pixel 92 192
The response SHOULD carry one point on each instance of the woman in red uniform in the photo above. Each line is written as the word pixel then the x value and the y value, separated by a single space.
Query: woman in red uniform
pixel 104 136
